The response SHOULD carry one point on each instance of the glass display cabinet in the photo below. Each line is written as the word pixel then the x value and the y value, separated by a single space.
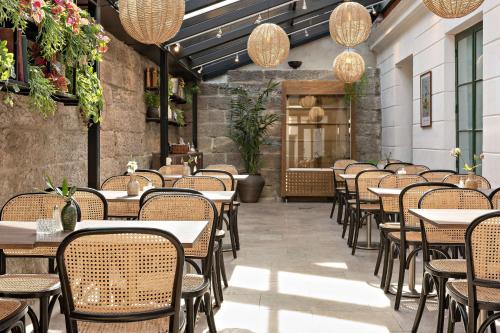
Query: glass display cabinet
pixel 316 132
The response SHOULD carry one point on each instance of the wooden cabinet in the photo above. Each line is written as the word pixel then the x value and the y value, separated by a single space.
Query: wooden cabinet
pixel 316 131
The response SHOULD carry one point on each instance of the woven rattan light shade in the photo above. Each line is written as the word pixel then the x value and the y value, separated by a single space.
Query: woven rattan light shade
pixel 307 101
pixel 452 8
pixel 151 21
pixel 268 45
pixel 350 24
pixel 316 114
pixel 349 66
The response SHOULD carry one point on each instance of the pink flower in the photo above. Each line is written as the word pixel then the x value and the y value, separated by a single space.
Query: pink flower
pixel 57 10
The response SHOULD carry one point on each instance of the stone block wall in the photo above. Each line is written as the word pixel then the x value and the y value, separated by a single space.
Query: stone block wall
pixel 213 119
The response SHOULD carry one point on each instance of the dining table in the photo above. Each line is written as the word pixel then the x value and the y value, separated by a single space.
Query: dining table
pixel 23 235
pixel 175 177
pixel 395 192
pixel 450 218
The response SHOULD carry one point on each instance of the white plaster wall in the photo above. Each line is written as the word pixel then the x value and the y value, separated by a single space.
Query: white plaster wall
pixel 412 31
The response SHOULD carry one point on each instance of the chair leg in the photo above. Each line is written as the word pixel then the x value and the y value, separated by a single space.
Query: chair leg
pixel 345 222
pixel 441 293
pixel 388 275
pixel 342 206
pixel 493 327
pixel 401 279
pixel 233 239
pixel 189 315
pixel 209 313
pixel 334 204
pixel 353 217
pixel 44 314
pixel 34 320
pixel 380 253
pixel 472 322
pixel 52 266
pixel 216 283
pixel 358 223
pixel 452 315
pixel 421 304
pixel 387 249
pixel 235 227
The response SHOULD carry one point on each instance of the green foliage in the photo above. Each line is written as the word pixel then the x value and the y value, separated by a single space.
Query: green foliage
pixel 89 92
pixel 6 61
pixel 354 90
pixel 9 12
pixel 65 190
pixel 250 124
pixel 179 117
pixel 41 91
pixel 152 99
pixel 190 89
pixel 50 36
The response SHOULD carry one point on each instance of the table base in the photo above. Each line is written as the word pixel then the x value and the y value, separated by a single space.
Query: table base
pixel 368 245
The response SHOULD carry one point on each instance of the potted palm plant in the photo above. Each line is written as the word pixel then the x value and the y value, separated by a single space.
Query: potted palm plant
pixel 249 130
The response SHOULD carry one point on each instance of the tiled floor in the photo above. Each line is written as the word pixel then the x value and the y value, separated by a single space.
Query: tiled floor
pixel 294 273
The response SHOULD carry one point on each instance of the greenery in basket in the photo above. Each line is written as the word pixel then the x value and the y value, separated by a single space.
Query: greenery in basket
pixel 152 99
pixel 250 124
pixel 65 190
pixel 41 91
pixel 67 37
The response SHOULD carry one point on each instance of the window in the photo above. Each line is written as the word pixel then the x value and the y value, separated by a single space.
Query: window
pixel 469 93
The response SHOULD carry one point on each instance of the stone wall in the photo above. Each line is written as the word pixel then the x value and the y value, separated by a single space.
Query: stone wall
pixel 213 119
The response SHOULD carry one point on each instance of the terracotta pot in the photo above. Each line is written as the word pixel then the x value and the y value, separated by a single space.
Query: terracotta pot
pixel 69 215
pixel 133 186
pixel 470 182
pixel 250 189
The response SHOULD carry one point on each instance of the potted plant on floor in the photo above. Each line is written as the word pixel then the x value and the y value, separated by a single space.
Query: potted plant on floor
pixel 249 129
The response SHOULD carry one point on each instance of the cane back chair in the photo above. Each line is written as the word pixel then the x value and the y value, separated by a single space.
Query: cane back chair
pixel 395 166
pixel 121 280
pixel 339 187
pixel 437 175
pixel 12 313
pixel 455 179
pixel 154 176
pixel 413 169
pixel 224 167
pixel 495 198
pixel 93 205
pixel 119 183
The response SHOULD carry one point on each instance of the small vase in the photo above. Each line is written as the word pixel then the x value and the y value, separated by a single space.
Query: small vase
pixel 470 182
pixel 133 187
pixel 69 215
pixel 186 169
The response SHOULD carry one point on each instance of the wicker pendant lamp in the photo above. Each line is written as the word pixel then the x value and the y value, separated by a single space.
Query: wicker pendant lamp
pixel 307 101
pixel 268 45
pixel 349 66
pixel 151 21
pixel 350 24
pixel 316 114
pixel 452 8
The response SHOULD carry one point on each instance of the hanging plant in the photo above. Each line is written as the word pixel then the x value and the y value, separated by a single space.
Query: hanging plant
pixel 41 91
pixel 89 90
pixel 6 61
pixel 10 12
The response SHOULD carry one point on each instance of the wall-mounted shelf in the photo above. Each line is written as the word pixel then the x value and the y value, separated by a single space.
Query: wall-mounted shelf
pixel 23 89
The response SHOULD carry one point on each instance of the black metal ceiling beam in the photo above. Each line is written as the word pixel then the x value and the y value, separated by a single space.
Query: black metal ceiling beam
pixel 222 16
pixel 194 5
pixel 188 50
pixel 223 66
pixel 241 44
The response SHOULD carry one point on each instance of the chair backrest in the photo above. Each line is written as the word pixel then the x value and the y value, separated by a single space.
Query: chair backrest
pixel 200 183
pixel 93 204
pixel 225 176
pixel 159 191
pixel 113 275
pixel 395 166
pixel 481 249
pixel 186 207
pixel 224 167
pixel 410 198
pixel 154 176
pixel 450 198
pixel 29 207
pixel 354 169
pixel 437 175
pixel 391 204
pixel 382 163
pixel 177 169
pixel 455 179
pixel 495 198
pixel 366 179
pixel 342 164
pixel 119 183
pixel 413 169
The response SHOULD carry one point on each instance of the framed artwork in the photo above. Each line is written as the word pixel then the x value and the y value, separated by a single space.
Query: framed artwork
pixel 426 99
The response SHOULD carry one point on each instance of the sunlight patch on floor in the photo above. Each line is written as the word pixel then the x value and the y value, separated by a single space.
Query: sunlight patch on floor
pixel 331 289
pixel 243 317
pixel 250 278
pixel 337 265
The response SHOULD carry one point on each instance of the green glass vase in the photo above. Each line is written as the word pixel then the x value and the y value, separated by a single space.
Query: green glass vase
pixel 69 216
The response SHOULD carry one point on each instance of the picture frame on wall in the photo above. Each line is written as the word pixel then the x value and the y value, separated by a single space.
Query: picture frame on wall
pixel 426 99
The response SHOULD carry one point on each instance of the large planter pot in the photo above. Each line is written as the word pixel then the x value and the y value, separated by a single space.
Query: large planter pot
pixel 250 189
pixel 69 216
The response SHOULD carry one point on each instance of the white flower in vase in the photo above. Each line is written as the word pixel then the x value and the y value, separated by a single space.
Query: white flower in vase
pixel 131 167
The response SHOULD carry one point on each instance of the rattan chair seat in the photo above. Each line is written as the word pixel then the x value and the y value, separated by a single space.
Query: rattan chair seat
pixel 9 307
pixel 458 266
pixel 390 226
pixel 36 252
pixel 459 289
pixel 411 236
pixel 19 284
pixel 193 283
pixel 366 205
pixel 149 326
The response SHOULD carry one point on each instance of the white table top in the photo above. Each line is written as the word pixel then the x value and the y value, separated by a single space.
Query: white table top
pixel 310 169
pixel 352 176
pixel 385 192
pixel 22 235
pixel 121 196
pixel 450 218
pixel 235 177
